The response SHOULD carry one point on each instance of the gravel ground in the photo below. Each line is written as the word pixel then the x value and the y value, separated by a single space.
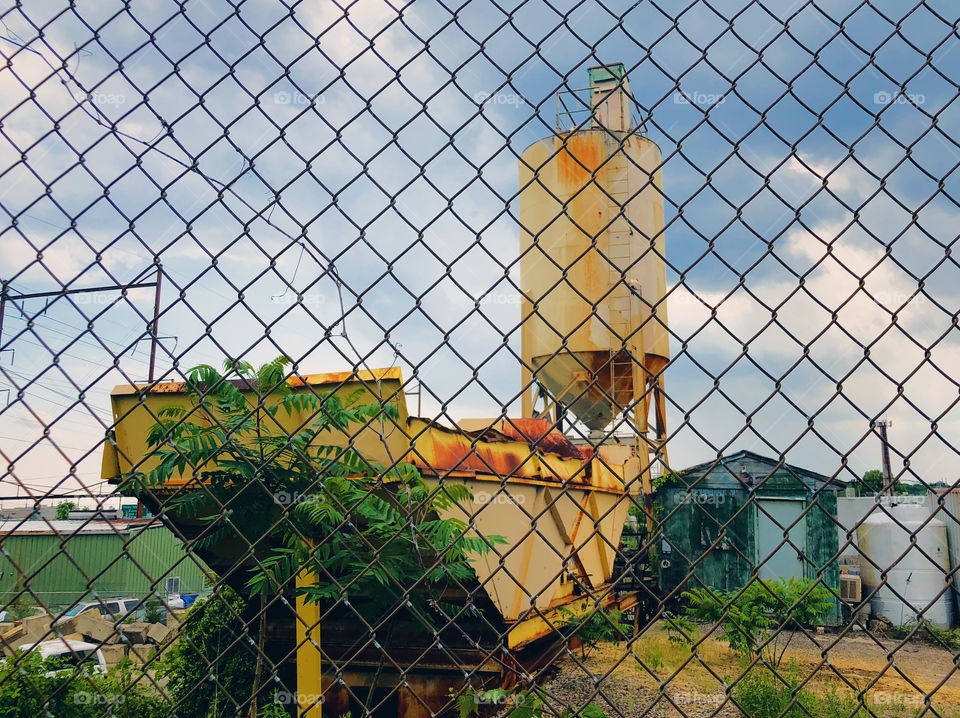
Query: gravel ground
pixel 629 690
pixel 623 696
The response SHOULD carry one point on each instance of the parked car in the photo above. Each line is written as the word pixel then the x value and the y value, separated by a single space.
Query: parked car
pixel 65 655
pixel 111 609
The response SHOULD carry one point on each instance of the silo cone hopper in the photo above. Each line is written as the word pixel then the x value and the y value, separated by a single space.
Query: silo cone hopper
pixel 594 334
pixel 559 508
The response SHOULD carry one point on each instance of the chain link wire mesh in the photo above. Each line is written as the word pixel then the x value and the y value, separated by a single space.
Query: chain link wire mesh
pixel 595 321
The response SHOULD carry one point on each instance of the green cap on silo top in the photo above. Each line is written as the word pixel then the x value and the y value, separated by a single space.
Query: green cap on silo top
pixel 606 73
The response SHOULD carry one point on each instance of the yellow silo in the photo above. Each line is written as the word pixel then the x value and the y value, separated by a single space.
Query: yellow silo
pixel 592 269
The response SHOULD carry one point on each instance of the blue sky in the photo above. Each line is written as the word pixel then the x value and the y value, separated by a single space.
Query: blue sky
pixel 788 153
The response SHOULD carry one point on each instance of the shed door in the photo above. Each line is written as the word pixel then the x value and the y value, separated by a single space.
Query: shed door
pixel 774 518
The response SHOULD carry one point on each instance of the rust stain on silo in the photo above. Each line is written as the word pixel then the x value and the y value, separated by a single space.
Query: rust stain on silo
pixel 578 157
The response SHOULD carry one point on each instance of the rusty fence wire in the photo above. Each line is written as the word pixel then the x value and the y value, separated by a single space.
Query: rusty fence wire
pixel 545 358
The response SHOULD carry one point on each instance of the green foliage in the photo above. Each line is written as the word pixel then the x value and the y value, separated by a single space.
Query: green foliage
pixel 208 668
pixel 653 659
pixel 22 606
pixel 929 633
pixel 26 691
pixel 273 710
pixel 380 526
pixel 763 693
pixel 872 481
pixel 601 626
pixel 681 630
pixel 151 610
pixel 511 703
pixel 664 479
pixel 63 510
pixel 747 617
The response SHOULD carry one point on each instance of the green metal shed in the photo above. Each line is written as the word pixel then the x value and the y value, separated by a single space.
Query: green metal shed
pixel 725 521
pixel 63 562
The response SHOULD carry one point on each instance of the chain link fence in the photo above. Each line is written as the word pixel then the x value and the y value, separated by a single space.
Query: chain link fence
pixel 529 359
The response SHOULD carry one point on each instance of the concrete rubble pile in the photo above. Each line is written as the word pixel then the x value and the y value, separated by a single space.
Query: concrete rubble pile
pixel 134 640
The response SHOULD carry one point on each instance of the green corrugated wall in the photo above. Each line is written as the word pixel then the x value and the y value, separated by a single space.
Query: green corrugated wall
pixel 63 570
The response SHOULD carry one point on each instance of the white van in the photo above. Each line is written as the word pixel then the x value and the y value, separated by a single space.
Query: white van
pixel 67 655
pixel 111 609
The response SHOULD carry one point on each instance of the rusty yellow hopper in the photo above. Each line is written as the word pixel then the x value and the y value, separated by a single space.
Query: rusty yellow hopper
pixel 559 507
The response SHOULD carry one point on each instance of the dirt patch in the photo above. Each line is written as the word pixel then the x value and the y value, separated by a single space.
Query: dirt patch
pixel 655 677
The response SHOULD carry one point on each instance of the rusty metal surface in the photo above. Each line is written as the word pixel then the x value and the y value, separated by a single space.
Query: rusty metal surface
pixel 322 379
pixel 441 451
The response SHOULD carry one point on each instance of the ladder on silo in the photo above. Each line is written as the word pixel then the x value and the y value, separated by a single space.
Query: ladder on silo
pixel 618 253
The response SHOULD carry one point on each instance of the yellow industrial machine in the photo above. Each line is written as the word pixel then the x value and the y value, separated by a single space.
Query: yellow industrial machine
pixel 559 507
pixel 594 335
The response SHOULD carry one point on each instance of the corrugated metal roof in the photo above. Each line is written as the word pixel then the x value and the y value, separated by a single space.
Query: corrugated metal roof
pixel 64 527
pixel 727 464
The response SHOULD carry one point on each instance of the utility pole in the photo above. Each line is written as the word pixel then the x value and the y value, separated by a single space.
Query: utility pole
pixel 6 295
pixel 152 326
pixel 885 449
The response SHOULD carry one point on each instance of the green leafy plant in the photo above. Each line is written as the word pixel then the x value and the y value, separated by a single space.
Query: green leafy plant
pixel 653 659
pixel 680 629
pixel 923 630
pixel 26 691
pixel 63 510
pixel 208 670
pixel 151 610
pixel 21 607
pixel 513 703
pixel 379 525
pixel 766 693
pixel 872 481
pixel 748 617
pixel 603 625
pixel 306 507
pixel 273 710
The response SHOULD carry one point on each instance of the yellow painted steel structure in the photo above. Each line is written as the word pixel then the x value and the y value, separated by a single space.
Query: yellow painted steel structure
pixel 309 698
pixel 560 508
pixel 592 266
pixel 132 418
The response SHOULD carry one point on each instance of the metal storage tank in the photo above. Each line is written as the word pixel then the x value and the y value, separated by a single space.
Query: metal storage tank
pixel 592 270
pixel 914 582
pixel 949 513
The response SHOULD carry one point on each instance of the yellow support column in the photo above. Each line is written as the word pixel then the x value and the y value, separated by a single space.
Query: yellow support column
pixel 309 688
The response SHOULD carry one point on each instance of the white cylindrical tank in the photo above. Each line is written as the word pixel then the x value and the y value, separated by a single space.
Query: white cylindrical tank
pixel 915 581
